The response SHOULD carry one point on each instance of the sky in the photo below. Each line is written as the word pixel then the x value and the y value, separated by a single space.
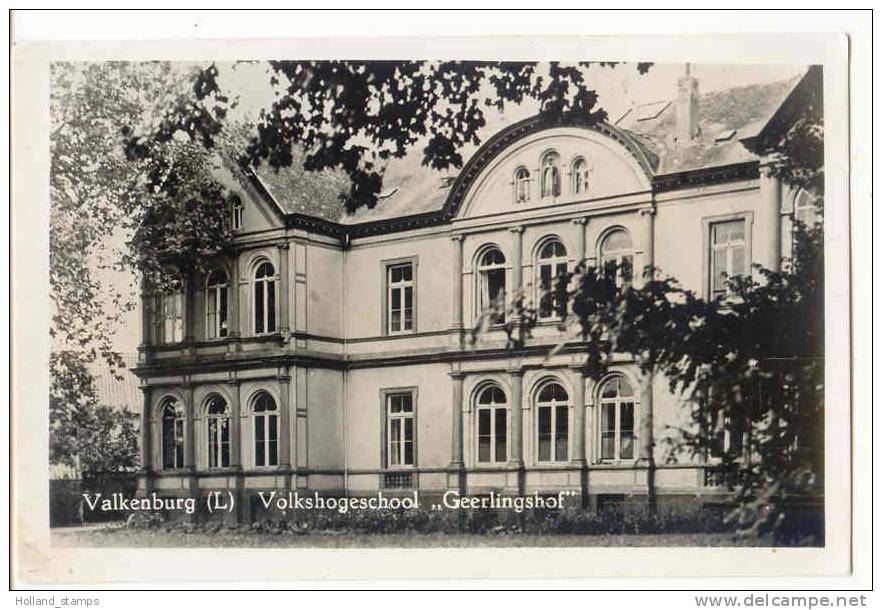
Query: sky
pixel 618 89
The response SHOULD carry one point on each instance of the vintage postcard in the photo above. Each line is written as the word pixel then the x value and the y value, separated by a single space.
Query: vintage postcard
pixel 537 304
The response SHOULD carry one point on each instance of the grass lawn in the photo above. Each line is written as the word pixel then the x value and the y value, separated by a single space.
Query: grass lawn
pixel 115 535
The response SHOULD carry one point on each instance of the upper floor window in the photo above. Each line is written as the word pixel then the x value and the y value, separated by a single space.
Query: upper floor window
pixel 216 305
pixel 492 413
pixel 551 265
pixel 491 285
pixel 552 413
pixel 617 257
pixel 266 431
pixel 522 185
pixel 616 420
pixel 238 211
pixel 172 434
pixel 218 423
pixel 728 258
pixel 399 297
pixel 169 319
pixel 264 299
pixel 805 208
pixel 579 176
pixel 550 168
pixel 399 429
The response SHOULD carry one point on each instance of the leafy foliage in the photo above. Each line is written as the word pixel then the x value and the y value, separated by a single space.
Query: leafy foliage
pixel 357 115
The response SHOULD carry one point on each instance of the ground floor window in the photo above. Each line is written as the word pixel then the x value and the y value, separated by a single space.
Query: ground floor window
pixel 492 413
pixel 218 419
pixel 172 434
pixel 266 431
pixel 552 409
pixel 400 444
pixel 616 420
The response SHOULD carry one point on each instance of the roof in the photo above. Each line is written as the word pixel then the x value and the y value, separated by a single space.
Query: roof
pixel 724 118
pixel 122 393
pixel 319 194
pixel 649 130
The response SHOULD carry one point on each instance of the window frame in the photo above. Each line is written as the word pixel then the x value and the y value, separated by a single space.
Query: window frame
pixel 265 415
pixel 617 418
pixel 619 255
pixel 216 325
pixel 161 318
pixel 553 405
pixel 554 262
pixel 386 425
pixel 178 434
pixel 386 312
pixel 579 179
pixel 214 423
pixel 482 299
pixel 492 408
pixel 707 225
pixel 544 165
pixel 237 208
pixel 262 284
pixel 519 182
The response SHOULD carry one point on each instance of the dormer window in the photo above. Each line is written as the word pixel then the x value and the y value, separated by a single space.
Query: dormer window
pixel 550 168
pixel 522 185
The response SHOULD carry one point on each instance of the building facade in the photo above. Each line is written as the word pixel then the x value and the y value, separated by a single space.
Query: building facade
pixel 333 356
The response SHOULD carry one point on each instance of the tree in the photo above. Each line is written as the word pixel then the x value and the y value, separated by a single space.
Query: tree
pixel 97 192
pixel 358 115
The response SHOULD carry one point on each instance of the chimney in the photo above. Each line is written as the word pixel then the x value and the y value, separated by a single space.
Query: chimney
pixel 687 107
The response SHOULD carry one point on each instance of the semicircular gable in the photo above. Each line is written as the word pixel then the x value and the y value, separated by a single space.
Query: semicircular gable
pixel 618 165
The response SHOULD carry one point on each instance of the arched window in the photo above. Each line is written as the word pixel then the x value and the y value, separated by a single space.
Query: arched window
pixel 550 168
pixel 616 420
pixel 238 211
pixel 264 299
pixel 216 305
pixel 552 413
pixel 522 185
pixel 551 264
pixel 218 419
pixel 172 434
pixel 491 284
pixel 492 414
pixel 805 208
pixel 579 176
pixel 617 257
pixel 266 431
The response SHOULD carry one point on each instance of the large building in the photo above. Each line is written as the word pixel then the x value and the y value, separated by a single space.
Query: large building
pixel 331 354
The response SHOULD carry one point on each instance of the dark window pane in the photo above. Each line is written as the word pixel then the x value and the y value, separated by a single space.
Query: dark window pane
pixel 408 453
pixel 223 312
pixel 258 307
pixel 271 307
pixel 501 431
pixel 626 421
pixel 561 430
pixel 544 434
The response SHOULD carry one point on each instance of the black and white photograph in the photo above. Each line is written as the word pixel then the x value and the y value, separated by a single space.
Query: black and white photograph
pixel 371 301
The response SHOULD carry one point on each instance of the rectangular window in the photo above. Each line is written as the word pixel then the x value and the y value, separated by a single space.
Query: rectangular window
pixel 170 317
pixel 626 436
pixel 492 435
pixel 400 441
pixel 399 298
pixel 728 254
